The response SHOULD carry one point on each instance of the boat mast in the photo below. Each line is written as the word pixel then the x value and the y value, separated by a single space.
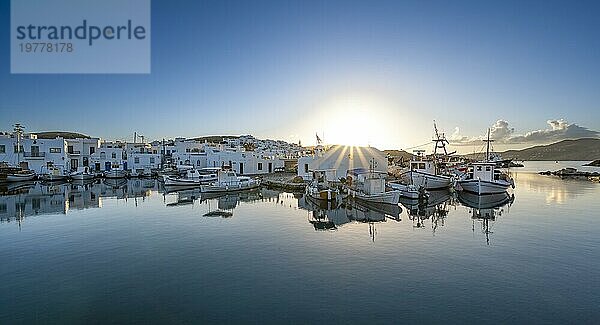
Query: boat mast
pixel 440 141
pixel 18 133
pixel 487 150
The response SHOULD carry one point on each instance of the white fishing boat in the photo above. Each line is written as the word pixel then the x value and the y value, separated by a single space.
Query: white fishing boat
pixel 484 178
pixel 54 173
pixel 228 181
pixel 115 173
pixel 319 188
pixel 20 176
pixel 369 185
pixel 191 177
pixel 430 173
pixel 82 174
pixel 424 173
pixel 407 191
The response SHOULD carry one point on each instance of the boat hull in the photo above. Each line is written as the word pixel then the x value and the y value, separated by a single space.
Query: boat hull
pixel 20 177
pixel 391 197
pixel 406 191
pixel 115 174
pixel 172 181
pixel 484 187
pixel 82 177
pixel 426 180
pixel 242 186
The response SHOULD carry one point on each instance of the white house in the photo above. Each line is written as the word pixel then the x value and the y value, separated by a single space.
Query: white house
pixel 341 159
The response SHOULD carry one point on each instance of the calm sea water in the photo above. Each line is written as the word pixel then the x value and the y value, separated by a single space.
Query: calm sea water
pixel 127 252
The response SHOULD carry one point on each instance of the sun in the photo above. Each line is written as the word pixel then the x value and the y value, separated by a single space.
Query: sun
pixel 351 122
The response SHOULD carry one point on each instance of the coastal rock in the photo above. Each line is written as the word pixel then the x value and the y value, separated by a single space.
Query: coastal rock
pixel 595 163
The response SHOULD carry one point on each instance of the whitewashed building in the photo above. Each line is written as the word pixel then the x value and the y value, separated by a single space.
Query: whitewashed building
pixel 341 159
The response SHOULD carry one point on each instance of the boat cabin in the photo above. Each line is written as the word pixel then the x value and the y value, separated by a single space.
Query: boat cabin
pixel 368 182
pixel 424 166
pixel 485 171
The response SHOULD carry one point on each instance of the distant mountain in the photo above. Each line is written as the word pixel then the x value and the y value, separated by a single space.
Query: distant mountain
pixel 580 149
pixel 62 134
pixel 399 154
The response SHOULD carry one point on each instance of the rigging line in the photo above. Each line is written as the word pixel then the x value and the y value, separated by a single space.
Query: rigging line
pixel 422 145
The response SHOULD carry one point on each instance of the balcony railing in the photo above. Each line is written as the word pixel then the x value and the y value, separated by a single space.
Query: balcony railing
pixel 34 155
pixel 74 152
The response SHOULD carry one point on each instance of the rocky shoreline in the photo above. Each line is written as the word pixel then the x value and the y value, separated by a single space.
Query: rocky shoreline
pixel 574 174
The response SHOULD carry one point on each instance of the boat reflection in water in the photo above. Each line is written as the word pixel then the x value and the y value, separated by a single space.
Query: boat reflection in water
pixel 226 202
pixel 434 206
pixel 25 199
pixel 485 208
pixel 325 215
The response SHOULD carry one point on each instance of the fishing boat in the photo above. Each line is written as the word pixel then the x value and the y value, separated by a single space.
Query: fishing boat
pixel 430 173
pixel 191 177
pixel 425 173
pixel 484 177
pixel 115 173
pixel 319 188
pixel 407 191
pixel 20 175
pixel 82 174
pixel 369 185
pixel 54 173
pixel 228 181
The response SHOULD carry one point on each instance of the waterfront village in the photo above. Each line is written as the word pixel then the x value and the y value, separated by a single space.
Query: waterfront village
pixel 216 165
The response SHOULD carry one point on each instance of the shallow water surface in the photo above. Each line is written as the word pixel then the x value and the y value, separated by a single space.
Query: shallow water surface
pixel 129 252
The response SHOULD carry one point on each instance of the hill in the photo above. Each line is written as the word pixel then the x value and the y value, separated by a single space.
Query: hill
pixel 399 154
pixel 62 134
pixel 580 149
pixel 215 138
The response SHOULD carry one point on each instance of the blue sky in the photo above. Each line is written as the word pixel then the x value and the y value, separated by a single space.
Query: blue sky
pixel 370 72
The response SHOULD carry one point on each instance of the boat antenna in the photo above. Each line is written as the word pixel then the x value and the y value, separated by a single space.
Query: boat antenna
pixel 487 150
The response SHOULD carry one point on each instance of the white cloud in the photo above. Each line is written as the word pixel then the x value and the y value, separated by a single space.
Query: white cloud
pixel 501 131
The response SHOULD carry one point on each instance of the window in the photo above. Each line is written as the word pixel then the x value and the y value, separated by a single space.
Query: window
pixel 198 162
pixel 152 160
pixel 421 165
pixel 488 168
pixel 114 155
pixel 92 150
pixel 305 168
pixel 18 150
pixel 70 149
pixel 103 155
pixel 259 166
pixel 55 150
pixel 136 160
pixel 2 148
pixel 478 168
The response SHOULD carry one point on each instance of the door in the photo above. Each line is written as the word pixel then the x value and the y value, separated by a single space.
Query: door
pixel 74 164
pixel 86 161
pixel 270 168
pixel 97 166
pixel 241 168
pixel 107 166
pixel 124 165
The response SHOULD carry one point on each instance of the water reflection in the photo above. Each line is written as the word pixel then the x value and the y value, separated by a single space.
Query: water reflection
pixel 18 201
pixel 21 200
pixel 434 207
pixel 485 208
